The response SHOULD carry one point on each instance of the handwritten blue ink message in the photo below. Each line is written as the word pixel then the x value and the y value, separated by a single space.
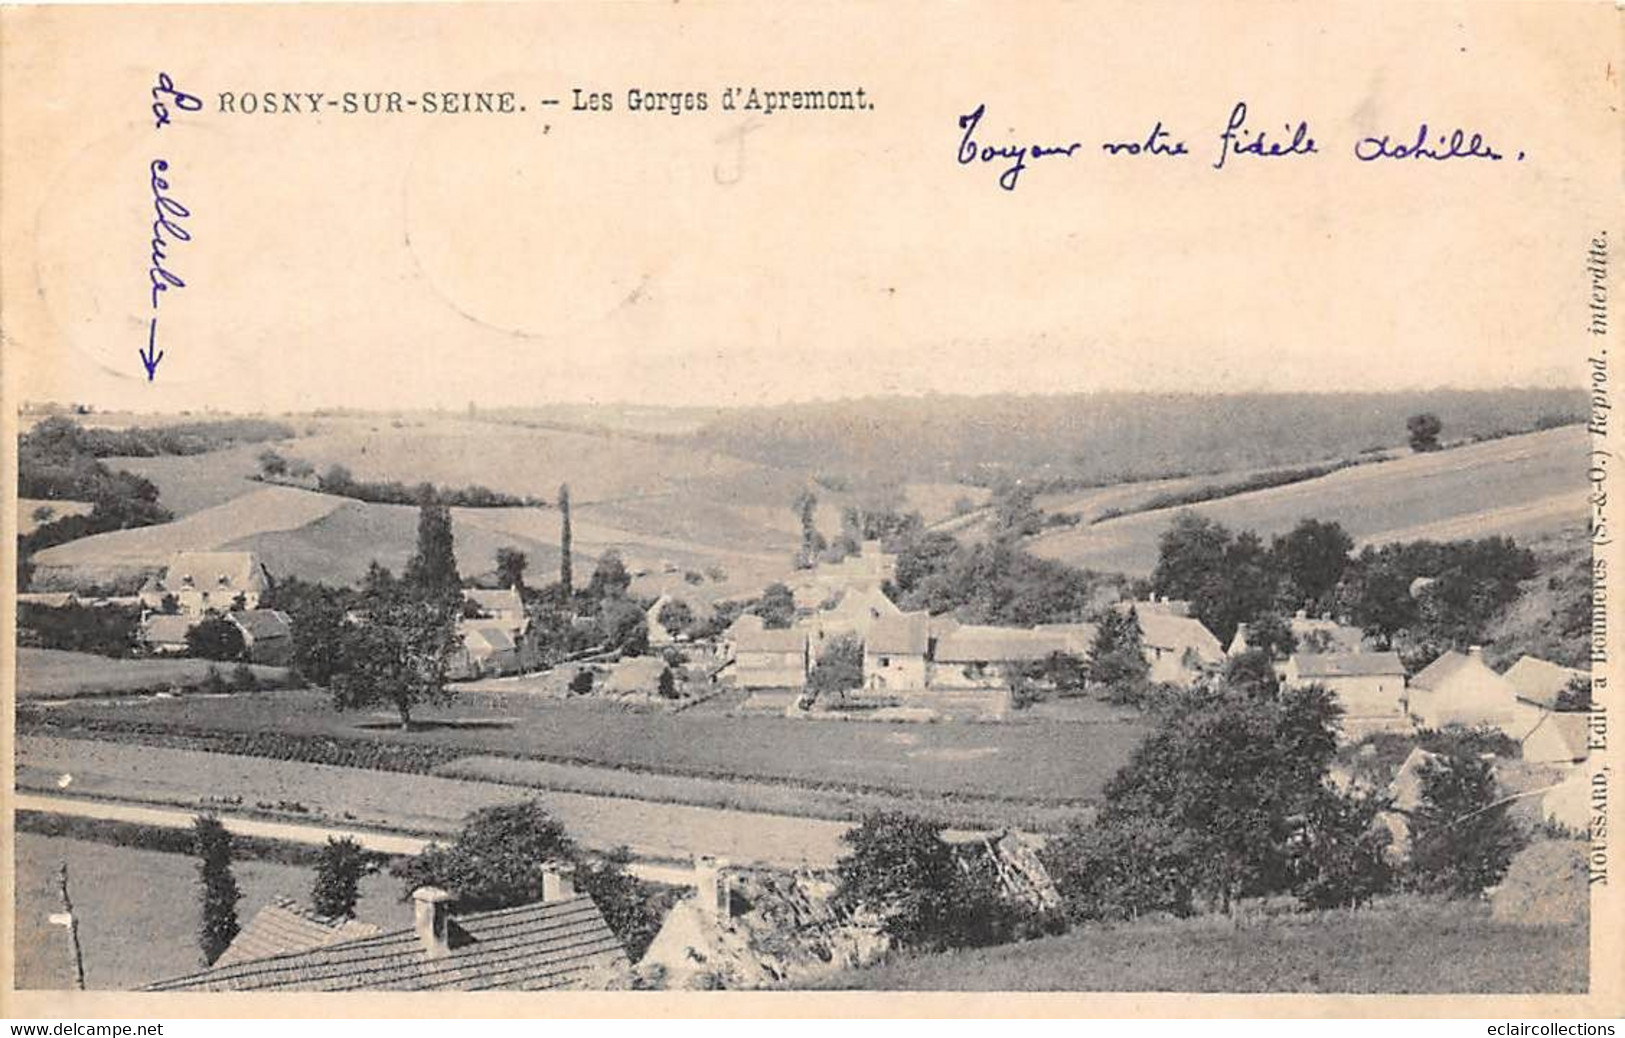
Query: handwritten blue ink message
pixel 1240 141
pixel 168 213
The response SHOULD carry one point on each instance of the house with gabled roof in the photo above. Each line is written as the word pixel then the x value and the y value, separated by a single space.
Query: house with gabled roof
pixel 1369 686
pixel 267 635
pixel 164 634
pixel 487 649
pixel 896 651
pixel 771 658
pixel 1179 648
pixel 976 656
pixel 209 581
pixel 559 942
pixel 1461 689
pixel 504 605
pixel 851 613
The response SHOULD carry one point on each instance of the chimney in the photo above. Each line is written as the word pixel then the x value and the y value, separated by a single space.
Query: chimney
pixel 1302 614
pixel 558 882
pixel 715 899
pixel 1476 652
pixel 431 918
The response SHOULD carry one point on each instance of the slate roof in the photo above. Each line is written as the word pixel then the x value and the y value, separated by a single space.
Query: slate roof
pixel 1441 670
pixel 1178 633
pixel 904 635
pixel 786 640
pixel 486 637
pixel 495 602
pixel 166 629
pixel 1312 665
pixel 977 644
pixel 284 927
pixel 528 948
pixel 261 624
pixel 211 570
pixel 1539 681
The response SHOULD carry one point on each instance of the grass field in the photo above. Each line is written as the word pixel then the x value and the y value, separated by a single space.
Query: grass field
pixel 138 912
pixel 1042 762
pixel 53 674
pixel 1399 947
pixel 1524 486
pixel 426 805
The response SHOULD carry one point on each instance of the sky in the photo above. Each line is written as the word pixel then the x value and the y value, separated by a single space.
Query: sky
pixel 738 258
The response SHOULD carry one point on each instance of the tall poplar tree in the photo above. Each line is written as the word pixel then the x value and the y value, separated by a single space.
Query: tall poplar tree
pixel 219 892
pixel 565 578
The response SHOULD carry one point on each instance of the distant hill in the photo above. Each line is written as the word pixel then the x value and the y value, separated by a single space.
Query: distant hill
pixel 1107 437
pixel 1525 486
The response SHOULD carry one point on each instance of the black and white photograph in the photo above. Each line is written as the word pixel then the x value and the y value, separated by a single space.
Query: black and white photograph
pixel 830 499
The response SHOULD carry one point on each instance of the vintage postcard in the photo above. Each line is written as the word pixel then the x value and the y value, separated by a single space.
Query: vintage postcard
pixel 812 509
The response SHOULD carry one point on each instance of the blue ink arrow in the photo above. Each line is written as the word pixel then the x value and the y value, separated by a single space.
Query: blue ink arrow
pixel 149 358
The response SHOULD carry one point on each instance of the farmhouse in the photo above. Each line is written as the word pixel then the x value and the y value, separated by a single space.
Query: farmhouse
pixel 267 635
pixel 869 569
pixel 728 643
pixel 561 941
pixel 1458 689
pixel 1370 686
pixel 854 613
pixel 201 581
pixel 1177 646
pixel 897 650
pixel 504 606
pixel 982 657
pixel 1537 684
pixel 165 634
pixel 488 649
pixel 771 658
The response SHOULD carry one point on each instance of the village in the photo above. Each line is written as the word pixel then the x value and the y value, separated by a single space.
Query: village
pixel 477 771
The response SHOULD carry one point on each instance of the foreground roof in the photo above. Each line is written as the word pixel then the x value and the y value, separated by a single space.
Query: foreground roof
pixel 973 643
pixel 906 635
pixel 166 628
pixel 283 927
pixel 532 947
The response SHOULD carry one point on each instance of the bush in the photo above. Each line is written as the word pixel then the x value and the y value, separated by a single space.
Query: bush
pixel 215 638
pixel 581 684
pixel 338 877
pixel 102 630
pixel 1462 838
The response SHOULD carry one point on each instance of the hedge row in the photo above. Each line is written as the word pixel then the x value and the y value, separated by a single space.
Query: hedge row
pixel 163 838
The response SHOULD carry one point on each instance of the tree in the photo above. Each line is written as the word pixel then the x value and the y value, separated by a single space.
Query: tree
pixel 432 571
pixel 497 861
pixel 1117 660
pixel 610 578
pixel 1208 807
pixel 511 566
pixel 902 871
pixel 1338 853
pixel 1462 838
pixel 839 668
pixel 776 607
pixel 581 684
pixel 624 625
pixel 565 580
pixel 339 869
pixel 272 464
pixel 676 616
pixel 398 655
pixel 1575 697
pixel 1015 513
pixel 1191 565
pixel 218 887
pixel 805 507
pixel 1424 430
pixel 667 686
pixel 1312 558
pixel 316 613
pixel 1270 634
pixel 215 638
